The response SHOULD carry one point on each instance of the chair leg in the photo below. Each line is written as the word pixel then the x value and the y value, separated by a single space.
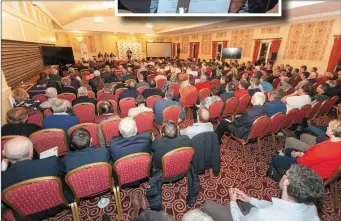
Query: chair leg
pixel 119 200
pixel 75 211
pixel 334 194
pixel 244 150
pixel 273 141
pixel 259 147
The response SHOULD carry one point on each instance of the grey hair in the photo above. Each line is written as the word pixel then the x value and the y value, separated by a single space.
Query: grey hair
pixel 276 94
pixel 82 91
pixel 59 105
pixel 18 148
pixel 127 127
pixel 196 215
pixel 54 71
pixel 71 70
pixel 51 92
pixel 258 98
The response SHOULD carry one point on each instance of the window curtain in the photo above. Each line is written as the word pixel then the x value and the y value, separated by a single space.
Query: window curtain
pixel 197 45
pixel 190 50
pixel 255 50
pixel 224 44
pixel 173 50
pixel 335 54
pixel 275 46
pixel 214 49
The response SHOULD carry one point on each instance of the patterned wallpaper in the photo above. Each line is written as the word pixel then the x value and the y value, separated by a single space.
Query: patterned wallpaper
pixel 307 41
pixel 206 44
pixel 221 35
pixel 87 39
pixel 184 44
pixel 195 37
pixel 134 47
pixel 242 39
pixel 271 30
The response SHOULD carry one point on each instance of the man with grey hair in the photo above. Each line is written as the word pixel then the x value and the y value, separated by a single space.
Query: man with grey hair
pixel 83 97
pixel 51 94
pixel 275 105
pixel 242 125
pixel 203 125
pixel 60 118
pixel 285 85
pixel 54 79
pixel 129 142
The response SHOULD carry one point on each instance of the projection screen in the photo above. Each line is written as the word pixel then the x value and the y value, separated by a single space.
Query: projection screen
pixel 159 49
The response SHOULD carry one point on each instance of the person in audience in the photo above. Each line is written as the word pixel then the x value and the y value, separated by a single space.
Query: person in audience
pixel 162 104
pixel 209 100
pixel 255 86
pixel 22 99
pixel 302 69
pixel 152 90
pixel 187 89
pixel 51 94
pixel 106 94
pixel 42 80
pixel 96 83
pixel 126 75
pixel 105 112
pixel 141 68
pixel 106 73
pixel 242 125
pixel 75 80
pixel 203 125
pixel 83 97
pixel 298 99
pixel 312 77
pixel 142 83
pixel 19 153
pixel 285 85
pixel 60 118
pixel 203 83
pixel 54 79
pixel 300 188
pixel 140 107
pixel 82 152
pixel 222 84
pixel 265 83
pixel 275 105
pixel 242 89
pixel 228 93
pixel 169 140
pixel 66 87
pixel 324 157
pixel 304 80
pixel 110 78
pixel 321 92
pixel 17 123
pixel 161 75
pixel 129 142
pixel 192 71
pixel 334 89
pixel 172 80
pixel 120 84
pixel 131 92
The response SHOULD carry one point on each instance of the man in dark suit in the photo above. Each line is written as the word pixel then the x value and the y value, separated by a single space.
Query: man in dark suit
pixel 82 152
pixel 241 126
pixel 54 79
pixel 228 93
pixel 152 90
pixel 169 141
pixel 275 105
pixel 129 142
pixel 131 92
pixel 66 87
pixel 83 97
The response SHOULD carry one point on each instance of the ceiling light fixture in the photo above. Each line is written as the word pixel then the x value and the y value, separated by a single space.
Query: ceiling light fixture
pixel 108 4
pixel 149 25
pixel 99 19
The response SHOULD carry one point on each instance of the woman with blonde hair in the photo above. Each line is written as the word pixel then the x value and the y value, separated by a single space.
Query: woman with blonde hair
pixel 22 99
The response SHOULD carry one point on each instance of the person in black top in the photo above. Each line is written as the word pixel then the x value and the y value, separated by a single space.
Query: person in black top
pixel 17 123
pixel 152 90
pixel 66 86
pixel 83 97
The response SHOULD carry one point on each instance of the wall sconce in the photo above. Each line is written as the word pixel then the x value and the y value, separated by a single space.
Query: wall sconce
pixel 80 39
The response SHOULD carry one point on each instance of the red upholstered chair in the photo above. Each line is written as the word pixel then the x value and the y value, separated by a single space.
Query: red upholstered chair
pixel 4 140
pixel 276 82
pixel 175 88
pixel 144 121
pixel 257 132
pixel 215 83
pixel 37 195
pixel 93 130
pixel 101 96
pixel 203 93
pixel 119 91
pixel 40 97
pixel 316 85
pixel 290 118
pixel 176 162
pixel 151 100
pixel 47 112
pixel 131 168
pixel 91 94
pixel 170 113
pixel 125 105
pixel 85 112
pixel 141 89
pixel 314 108
pixel 326 106
pixel 296 81
pixel 191 99
pixel 304 111
pixel 266 93
pixel 48 138
pixel 7 215
pixel 36 118
pixel 338 83
pixel 244 102
pixel 150 77
pixel 67 96
pixel 216 109
pixel 113 103
pixel 110 129
pixel 230 107
pixel 289 91
pixel 332 183
pixel 160 83
pixel 276 121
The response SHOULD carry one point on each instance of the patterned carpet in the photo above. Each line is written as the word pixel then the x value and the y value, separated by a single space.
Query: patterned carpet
pixel 248 174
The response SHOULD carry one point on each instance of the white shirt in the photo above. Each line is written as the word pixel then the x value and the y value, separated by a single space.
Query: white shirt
pixel 136 110
pixel 297 101
pixel 277 210
pixel 197 128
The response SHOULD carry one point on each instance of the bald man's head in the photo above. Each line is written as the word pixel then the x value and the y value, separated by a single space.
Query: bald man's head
pixel 18 149
pixel 203 115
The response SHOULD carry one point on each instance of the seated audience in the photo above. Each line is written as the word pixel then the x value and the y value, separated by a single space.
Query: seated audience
pixel 324 157
pixel 267 86
pixel 75 80
pixel 172 80
pixel 203 83
pixel 105 112
pixel 51 94
pixel 187 89
pixel 255 86
pixel 321 92
pixel 142 83
pixel 170 140
pixel 222 84
pixel 129 142
pixel 120 84
pixel 60 118
pixel 131 92
pixel 42 80
pixel 66 87
pixel 83 97
pixel 22 99
pixel 209 100
pixel 152 90
pixel 161 75
pixel 285 85
pixel 54 79
pixel 334 89
pixel 242 125
pixel 96 83
pixel 304 80
pixel 140 107
pixel 242 89
pixel 17 123
pixel 275 105
pixel 126 74
pixel 203 125
pixel 106 94
pixel 228 93
pixel 298 99
pixel 312 77
pixel 162 104
pixel 300 188
pixel 82 152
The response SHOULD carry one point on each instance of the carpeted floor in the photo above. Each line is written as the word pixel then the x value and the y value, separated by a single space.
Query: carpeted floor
pixel 248 174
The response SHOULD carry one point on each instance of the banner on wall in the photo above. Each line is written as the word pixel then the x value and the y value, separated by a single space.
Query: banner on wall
pixel 84 51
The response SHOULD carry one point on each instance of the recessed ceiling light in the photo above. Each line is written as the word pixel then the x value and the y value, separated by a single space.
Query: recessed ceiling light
pixel 99 19
pixel 149 25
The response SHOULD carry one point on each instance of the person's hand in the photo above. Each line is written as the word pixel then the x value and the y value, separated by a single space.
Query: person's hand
pixel 233 194
pixel 242 196
pixel 296 154
pixel 300 154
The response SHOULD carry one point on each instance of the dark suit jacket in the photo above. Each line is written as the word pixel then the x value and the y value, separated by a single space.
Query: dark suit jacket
pixel 274 107
pixel 89 155
pixel 53 79
pixel 118 86
pixel 121 146
pixel 23 129
pixel 163 145
pixel 151 92
pixel 253 91
pixel 63 122
pixel 75 83
pixel 227 95
pixel 131 92
pixel 67 90
pixel 84 99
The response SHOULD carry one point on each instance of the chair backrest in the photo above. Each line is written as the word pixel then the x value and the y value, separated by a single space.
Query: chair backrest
pixel 335 176
pixel 101 96
pixel 290 118
pixel 144 121
pixel 67 96
pixel 141 89
pixel 230 106
pixel 151 100
pixel 133 167
pixel 90 180
pixel 110 129
pixel 216 108
pixel 125 105
pixel 48 138
pixel 215 83
pixel 160 83
pixel 113 103
pixel 47 112
pixel 276 121
pixel 304 111
pixel 91 94
pixel 119 91
pixel 176 162
pixel 36 118
pixel 93 130
pixel 276 82
pixel 316 85
pixel 296 81
pixel 191 98
pixel 314 108
pixel 150 77
pixel 4 140
pixel 327 105
pixel 175 88
pixel 259 127
pixel 243 104
pixel 85 112
pixel 289 91
pixel 40 97
pixel 203 93
pixel 34 195
pixel 171 113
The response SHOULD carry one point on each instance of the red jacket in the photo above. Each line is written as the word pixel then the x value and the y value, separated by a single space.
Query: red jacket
pixel 323 157
pixel 202 85
pixel 241 92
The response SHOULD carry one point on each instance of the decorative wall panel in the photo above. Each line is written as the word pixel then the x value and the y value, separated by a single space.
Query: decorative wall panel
pixel 184 44
pixel 271 30
pixel 221 35
pixel 134 47
pixel 242 39
pixel 195 37
pixel 206 43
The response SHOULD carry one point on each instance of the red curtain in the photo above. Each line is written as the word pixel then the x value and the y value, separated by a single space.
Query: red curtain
pixel 335 54
pixel 275 46
pixel 196 50
pixel 255 50
pixel 190 49
pixel 214 49
pixel 224 44
pixel 174 50
pixel 178 49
